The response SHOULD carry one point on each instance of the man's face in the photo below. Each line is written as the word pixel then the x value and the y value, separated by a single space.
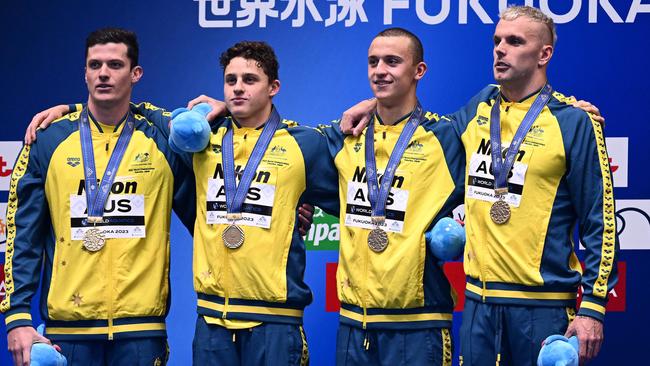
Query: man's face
pixel 247 89
pixel 518 49
pixel 109 76
pixel 391 71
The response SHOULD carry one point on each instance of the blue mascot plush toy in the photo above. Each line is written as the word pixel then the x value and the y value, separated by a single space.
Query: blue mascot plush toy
pixel 43 354
pixel 557 350
pixel 446 239
pixel 190 131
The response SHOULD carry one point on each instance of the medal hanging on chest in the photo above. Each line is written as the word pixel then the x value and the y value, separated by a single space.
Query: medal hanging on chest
pixel 93 240
pixel 233 235
pixel 378 192
pixel 500 211
pixel 97 193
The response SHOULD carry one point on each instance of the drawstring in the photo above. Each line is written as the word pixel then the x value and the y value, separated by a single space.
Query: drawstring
pixel 366 341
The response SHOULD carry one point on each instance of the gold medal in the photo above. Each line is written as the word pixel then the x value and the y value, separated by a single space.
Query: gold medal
pixel 233 237
pixel 93 240
pixel 378 240
pixel 500 212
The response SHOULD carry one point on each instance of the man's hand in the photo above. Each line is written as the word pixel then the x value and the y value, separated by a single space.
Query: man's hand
pixel 590 108
pixel 43 119
pixel 305 217
pixel 20 340
pixel 355 119
pixel 590 336
pixel 219 108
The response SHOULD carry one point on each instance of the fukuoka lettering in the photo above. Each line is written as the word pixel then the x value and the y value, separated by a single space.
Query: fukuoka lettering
pixel 247 13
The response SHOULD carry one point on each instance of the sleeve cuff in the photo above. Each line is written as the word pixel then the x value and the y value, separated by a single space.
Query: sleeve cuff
pixel 593 308
pixel 18 318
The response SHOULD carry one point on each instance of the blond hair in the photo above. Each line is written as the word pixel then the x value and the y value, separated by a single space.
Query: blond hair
pixel 515 11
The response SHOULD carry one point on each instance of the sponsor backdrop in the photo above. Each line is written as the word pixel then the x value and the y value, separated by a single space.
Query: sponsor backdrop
pixel 601 56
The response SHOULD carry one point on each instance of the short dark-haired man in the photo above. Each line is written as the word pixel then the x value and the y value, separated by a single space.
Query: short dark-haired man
pixel 396 180
pixel 90 206
pixel 249 258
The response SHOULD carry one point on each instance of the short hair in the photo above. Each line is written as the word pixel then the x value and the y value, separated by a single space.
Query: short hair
pixel 416 44
pixel 116 35
pixel 260 52
pixel 515 11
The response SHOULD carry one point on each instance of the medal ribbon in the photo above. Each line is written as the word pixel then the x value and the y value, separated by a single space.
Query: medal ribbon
pixel 236 194
pixel 501 168
pixel 96 196
pixel 379 194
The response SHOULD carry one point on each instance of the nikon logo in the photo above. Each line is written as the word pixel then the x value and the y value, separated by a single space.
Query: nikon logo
pixel 360 177
pixel 116 188
pixel 260 177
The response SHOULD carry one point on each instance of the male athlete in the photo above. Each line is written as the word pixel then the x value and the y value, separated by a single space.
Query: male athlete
pixel 396 180
pixel 536 168
pixel 89 206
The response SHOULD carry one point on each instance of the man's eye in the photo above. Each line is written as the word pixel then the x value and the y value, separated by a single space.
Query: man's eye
pixel 115 65
pixel 94 65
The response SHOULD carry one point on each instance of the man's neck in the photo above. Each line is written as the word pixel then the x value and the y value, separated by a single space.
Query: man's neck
pixel 516 92
pixel 391 114
pixel 108 114
pixel 256 120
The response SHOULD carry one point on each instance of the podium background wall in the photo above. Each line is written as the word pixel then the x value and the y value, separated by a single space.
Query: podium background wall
pixel 601 55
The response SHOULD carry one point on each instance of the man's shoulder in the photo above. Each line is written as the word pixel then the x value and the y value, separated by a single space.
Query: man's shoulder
pixel 61 127
pixel 562 108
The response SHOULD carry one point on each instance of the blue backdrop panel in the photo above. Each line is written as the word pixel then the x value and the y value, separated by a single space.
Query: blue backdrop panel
pixel 601 56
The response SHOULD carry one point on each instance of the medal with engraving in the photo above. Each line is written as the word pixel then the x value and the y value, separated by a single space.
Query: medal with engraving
pixel 378 191
pixel 500 211
pixel 378 240
pixel 93 240
pixel 233 236
pixel 97 193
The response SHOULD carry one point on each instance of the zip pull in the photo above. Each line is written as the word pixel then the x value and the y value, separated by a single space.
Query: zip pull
pixel 225 310
pixel 106 145
pixel 234 337
pixel 365 314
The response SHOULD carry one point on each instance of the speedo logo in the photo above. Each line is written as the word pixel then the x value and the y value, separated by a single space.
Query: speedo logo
pixel 73 162
pixel 216 148
pixel 357 147
pixel 116 188
pixel 261 176
pixel 360 177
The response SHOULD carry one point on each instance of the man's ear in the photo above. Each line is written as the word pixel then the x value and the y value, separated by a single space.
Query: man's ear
pixel 274 88
pixel 136 74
